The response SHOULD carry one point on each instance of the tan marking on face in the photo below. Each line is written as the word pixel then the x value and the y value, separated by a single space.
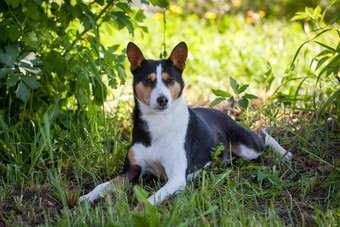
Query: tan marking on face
pixel 165 76
pixel 151 76
pixel 174 89
pixel 144 92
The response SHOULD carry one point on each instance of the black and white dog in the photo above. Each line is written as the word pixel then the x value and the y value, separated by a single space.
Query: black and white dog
pixel 169 137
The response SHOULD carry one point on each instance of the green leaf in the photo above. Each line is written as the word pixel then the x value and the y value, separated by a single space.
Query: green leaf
pixel 299 16
pixel 321 61
pixel 231 100
pixel 292 65
pixel 6 59
pixel 100 93
pixel 83 79
pixel 140 194
pixel 31 40
pixel 217 101
pixel 82 89
pixel 122 20
pixel 33 11
pixel 139 16
pixel 249 96
pixel 329 101
pixel 221 93
pixel 112 77
pixel 325 52
pixel 309 11
pixel 330 65
pixel 327 47
pixel 140 220
pixel 22 92
pixel 26 67
pixel 316 12
pixel 14 33
pixel 76 11
pixel 95 70
pixel 242 88
pixel 12 80
pixel 30 58
pixel 14 3
pixel 261 175
pixel 4 72
pixel 269 76
pixel 38 2
pixel 161 3
pixel 234 85
pixel 93 24
pixel 243 103
pixel 121 72
pixel 123 6
pixel 31 81
pixel 150 210
pixel 12 50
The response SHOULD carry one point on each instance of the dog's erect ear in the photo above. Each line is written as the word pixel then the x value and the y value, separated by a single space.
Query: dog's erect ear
pixel 179 55
pixel 134 55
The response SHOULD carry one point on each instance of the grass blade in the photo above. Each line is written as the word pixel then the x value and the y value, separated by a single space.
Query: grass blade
pixel 302 139
pixel 328 102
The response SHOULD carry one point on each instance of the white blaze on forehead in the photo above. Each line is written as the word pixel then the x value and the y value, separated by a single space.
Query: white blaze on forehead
pixel 160 89
pixel 159 73
pixel 160 86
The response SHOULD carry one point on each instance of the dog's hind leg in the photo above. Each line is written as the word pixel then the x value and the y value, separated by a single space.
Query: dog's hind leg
pixel 270 141
pixel 244 151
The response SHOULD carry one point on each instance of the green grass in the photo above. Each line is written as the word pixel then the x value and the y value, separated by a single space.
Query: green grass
pixel 52 162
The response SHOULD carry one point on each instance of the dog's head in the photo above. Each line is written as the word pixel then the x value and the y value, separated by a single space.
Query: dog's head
pixel 157 84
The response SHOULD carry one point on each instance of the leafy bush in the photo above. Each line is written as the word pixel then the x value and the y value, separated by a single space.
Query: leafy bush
pixel 63 41
pixel 54 72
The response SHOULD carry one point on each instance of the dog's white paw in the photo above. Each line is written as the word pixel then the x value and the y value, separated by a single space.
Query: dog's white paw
pixel 288 156
pixel 90 197
pixel 95 193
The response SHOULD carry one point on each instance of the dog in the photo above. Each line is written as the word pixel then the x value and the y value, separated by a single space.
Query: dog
pixel 169 137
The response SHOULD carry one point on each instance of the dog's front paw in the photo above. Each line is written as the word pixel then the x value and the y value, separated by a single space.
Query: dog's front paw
pixel 288 156
pixel 90 197
pixel 95 193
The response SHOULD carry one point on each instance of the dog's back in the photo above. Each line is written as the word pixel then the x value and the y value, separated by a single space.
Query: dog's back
pixel 209 128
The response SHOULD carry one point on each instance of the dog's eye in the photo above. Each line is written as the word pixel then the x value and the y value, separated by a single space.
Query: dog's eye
pixel 169 80
pixel 147 81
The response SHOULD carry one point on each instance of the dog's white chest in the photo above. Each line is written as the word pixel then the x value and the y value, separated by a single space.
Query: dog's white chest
pixel 167 131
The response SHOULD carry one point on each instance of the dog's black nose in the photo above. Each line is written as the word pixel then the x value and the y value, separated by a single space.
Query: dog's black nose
pixel 162 101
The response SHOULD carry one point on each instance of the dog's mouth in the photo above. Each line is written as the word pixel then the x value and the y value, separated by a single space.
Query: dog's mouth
pixel 161 108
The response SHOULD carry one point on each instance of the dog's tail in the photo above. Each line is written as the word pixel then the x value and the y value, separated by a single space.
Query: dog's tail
pixel 270 141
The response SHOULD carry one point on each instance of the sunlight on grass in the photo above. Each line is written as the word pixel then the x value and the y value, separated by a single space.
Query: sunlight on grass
pixel 51 156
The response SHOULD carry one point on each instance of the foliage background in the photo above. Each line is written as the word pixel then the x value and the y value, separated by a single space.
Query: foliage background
pixel 66 98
